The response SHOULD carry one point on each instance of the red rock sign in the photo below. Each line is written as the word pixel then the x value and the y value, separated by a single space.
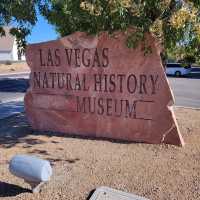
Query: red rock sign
pixel 96 86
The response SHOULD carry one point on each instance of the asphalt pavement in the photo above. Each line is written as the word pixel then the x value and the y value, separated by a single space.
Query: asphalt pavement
pixel 13 87
pixel 12 91
pixel 186 91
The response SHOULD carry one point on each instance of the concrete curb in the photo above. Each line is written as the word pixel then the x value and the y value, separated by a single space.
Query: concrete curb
pixel 13 74
pixel 19 99
pixel 186 107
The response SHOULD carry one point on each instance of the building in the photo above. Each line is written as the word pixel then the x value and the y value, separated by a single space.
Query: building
pixel 8 48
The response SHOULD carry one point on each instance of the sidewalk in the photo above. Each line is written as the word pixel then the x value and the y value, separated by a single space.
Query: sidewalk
pixel 15 74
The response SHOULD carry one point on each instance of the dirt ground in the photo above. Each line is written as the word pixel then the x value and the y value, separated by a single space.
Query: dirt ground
pixel 157 172
pixel 14 68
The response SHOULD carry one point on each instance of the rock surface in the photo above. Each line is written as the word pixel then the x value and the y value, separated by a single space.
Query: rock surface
pixel 96 86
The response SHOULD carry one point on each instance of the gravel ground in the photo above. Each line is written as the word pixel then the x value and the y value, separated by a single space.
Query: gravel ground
pixel 80 165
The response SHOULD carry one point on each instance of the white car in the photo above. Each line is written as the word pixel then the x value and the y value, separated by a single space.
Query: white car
pixel 177 69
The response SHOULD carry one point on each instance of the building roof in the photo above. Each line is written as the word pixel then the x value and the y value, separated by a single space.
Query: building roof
pixel 7 41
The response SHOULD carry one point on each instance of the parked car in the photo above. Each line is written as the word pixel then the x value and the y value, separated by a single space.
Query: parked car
pixel 177 69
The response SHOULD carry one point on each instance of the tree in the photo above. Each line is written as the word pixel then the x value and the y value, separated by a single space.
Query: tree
pixel 19 14
pixel 176 23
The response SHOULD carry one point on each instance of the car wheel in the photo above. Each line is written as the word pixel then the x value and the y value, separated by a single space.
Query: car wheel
pixel 177 73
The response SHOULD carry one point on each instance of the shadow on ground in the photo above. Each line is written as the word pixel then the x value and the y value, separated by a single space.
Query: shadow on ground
pixel 14 85
pixel 9 190
pixel 15 129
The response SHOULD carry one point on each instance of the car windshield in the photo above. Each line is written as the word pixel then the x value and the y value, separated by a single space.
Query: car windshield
pixel 174 65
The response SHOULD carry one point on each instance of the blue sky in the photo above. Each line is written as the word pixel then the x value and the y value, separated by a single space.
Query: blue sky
pixel 42 32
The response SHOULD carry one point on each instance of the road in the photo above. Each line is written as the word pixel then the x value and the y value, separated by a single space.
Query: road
pixel 186 91
pixel 13 87
pixel 12 90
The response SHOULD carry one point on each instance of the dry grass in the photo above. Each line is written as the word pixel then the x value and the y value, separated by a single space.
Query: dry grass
pixel 14 68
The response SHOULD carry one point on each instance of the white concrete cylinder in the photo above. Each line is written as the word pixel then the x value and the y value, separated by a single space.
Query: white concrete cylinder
pixel 30 168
